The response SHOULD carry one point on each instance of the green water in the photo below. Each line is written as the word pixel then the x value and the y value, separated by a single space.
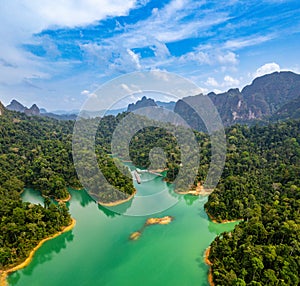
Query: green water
pixel 98 252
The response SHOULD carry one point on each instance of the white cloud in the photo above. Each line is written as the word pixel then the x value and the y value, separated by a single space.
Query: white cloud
pixel 115 53
pixel 160 50
pixel 230 81
pixel 67 13
pixel 210 57
pixel 247 42
pixel 170 24
pixel 131 89
pixel 217 91
pixel 228 58
pixel 85 92
pixel 21 19
pixel 212 82
pixel 161 75
pixel 111 58
pixel 266 69
pixel 198 57
pixel 89 94
pixel 135 58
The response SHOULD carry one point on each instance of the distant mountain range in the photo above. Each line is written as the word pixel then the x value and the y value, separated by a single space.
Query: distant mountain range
pixel 147 102
pixel 274 96
pixel 59 114
pixel 36 111
pixel 17 106
pixel 270 97
pixel 72 115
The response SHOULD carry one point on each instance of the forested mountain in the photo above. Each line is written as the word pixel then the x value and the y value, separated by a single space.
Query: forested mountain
pixel 36 111
pixel 37 152
pixel 147 102
pixel 26 159
pixel 17 106
pixel 290 110
pixel 266 96
pixel 144 102
pixel 260 184
pixel 167 105
pixel 2 108
pixel 40 152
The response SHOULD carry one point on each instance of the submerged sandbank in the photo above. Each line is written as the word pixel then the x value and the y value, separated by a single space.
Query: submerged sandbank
pixel 151 221
pixel 157 220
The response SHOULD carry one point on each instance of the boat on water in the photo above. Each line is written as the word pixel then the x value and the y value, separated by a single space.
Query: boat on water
pixel 137 176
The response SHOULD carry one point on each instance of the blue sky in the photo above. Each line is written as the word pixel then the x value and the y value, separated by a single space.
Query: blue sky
pixel 56 53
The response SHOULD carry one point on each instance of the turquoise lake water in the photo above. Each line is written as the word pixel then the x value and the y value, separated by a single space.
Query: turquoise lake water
pixel 98 250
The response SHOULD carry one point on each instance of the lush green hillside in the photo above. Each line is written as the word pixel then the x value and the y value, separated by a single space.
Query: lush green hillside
pixel 37 152
pixel 152 137
pixel 291 110
pixel 24 225
pixel 261 185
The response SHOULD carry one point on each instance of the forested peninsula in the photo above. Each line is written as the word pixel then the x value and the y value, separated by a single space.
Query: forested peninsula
pixel 260 185
pixel 36 153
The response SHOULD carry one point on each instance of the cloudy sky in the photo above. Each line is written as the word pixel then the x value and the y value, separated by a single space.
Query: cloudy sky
pixel 56 53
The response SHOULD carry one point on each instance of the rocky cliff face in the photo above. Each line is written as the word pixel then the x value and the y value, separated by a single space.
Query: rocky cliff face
pixel 265 96
pixel 144 102
pixel 2 108
pixel 33 110
pixel 16 106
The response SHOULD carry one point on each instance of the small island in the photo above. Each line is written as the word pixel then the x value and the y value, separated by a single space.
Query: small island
pixel 163 220
pixel 135 235
pixel 151 221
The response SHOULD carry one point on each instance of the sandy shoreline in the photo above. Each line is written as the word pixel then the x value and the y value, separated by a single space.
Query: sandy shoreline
pixel 197 191
pixel 115 203
pixel 158 170
pixel 208 262
pixel 64 200
pixel 222 221
pixel 207 251
pixel 23 264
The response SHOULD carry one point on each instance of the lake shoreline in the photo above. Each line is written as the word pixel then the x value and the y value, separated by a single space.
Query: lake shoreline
pixel 116 203
pixel 207 251
pixel 26 262
pixel 209 263
pixel 65 200
pixel 222 221
pixel 197 191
